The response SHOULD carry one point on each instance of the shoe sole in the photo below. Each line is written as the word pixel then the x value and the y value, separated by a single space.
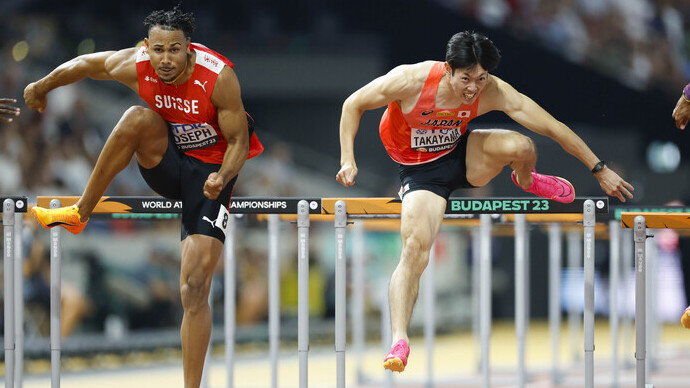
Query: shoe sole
pixel 394 365
pixel 72 228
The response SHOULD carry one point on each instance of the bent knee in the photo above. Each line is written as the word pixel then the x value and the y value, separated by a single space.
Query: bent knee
pixel 137 112
pixel 517 146
pixel 137 117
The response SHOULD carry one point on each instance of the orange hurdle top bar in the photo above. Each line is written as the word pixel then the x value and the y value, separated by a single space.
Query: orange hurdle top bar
pixel 657 220
pixel 355 206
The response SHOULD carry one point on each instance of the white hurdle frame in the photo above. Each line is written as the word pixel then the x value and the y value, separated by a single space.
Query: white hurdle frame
pixel 340 223
pixel 13 208
pixel 9 263
pixel 640 222
pixel 521 291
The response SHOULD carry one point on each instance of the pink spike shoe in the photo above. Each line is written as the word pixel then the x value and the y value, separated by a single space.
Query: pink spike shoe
pixel 396 359
pixel 685 319
pixel 550 187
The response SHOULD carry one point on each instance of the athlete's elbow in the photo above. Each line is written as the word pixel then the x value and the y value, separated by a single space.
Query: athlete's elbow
pixel 352 106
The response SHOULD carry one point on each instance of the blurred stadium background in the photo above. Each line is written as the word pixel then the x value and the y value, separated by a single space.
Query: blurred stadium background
pixel 610 69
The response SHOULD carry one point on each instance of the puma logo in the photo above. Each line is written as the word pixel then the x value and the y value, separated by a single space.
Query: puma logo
pixel 213 223
pixel 203 86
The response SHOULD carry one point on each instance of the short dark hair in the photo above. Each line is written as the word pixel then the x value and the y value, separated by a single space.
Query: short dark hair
pixel 171 20
pixel 468 48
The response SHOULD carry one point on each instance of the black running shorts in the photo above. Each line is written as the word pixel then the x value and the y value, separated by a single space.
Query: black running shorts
pixel 182 177
pixel 442 176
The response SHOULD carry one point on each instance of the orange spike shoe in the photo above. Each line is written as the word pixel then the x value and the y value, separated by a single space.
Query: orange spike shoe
pixel 67 217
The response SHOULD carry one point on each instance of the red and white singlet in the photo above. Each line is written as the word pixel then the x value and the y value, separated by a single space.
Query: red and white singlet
pixel 426 133
pixel 187 107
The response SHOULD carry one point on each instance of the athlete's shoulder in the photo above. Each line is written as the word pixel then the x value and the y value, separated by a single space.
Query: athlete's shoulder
pixel 209 58
pixel 121 65
pixel 410 76
pixel 418 70
pixel 497 95
pixel 140 53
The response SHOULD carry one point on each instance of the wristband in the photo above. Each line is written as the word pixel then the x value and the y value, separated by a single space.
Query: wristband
pixel 686 92
pixel 598 167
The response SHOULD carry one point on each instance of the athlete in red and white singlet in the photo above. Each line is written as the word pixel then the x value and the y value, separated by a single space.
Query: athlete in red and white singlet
pixel 190 144
pixel 187 108
pixel 426 133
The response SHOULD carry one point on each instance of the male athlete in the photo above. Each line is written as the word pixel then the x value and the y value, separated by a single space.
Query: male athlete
pixel 7 111
pixel 425 131
pixel 190 144
pixel 681 114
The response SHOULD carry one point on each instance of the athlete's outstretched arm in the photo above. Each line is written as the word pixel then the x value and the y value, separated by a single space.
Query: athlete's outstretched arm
pixel 533 117
pixel 105 65
pixel 232 120
pixel 394 86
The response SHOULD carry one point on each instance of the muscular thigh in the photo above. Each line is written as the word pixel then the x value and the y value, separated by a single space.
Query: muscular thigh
pixel 421 216
pixel 152 134
pixel 164 178
pixel 200 255
pixel 488 152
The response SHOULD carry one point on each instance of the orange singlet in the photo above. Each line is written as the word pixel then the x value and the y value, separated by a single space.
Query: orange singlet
pixel 426 133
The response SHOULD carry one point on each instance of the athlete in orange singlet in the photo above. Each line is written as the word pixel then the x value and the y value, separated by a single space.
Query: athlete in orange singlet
pixel 425 131
pixel 190 143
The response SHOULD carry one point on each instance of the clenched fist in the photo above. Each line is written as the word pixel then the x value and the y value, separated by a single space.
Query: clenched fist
pixel 214 185
pixel 34 98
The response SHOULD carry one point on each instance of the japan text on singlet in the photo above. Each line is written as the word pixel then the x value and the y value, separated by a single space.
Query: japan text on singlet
pixel 187 107
pixel 426 133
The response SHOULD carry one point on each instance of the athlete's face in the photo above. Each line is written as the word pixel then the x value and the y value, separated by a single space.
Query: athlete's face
pixel 467 83
pixel 168 51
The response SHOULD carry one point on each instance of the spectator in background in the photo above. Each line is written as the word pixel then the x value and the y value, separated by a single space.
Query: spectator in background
pixel 252 287
pixel 159 278
pixel 74 304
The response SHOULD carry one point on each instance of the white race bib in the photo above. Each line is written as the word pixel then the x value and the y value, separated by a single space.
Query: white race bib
pixel 434 140
pixel 193 136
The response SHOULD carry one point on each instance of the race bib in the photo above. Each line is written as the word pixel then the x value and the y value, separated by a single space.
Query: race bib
pixel 434 140
pixel 193 136
pixel 221 221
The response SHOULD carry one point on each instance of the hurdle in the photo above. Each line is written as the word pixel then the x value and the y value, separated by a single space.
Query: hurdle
pixel 520 208
pixel 367 207
pixel 640 222
pixel 12 210
pixel 155 207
